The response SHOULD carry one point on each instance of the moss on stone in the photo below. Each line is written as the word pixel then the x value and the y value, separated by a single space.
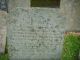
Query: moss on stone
pixel 71 47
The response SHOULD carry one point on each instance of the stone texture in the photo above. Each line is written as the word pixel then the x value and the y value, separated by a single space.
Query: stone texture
pixel 18 3
pixel 2 31
pixel 38 41
pixel 35 33
pixel 71 8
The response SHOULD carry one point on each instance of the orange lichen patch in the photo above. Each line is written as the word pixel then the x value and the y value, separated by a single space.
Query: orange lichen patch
pixel 74 33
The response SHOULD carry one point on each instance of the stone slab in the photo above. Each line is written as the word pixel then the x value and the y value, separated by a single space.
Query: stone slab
pixel 71 8
pixel 12 4
pixel 35 33
pixel 2 31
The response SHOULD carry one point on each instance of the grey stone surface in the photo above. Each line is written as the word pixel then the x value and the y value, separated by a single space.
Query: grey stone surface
pixel 71 8
pixel 12 4
pixel 2 31
pixel 35 33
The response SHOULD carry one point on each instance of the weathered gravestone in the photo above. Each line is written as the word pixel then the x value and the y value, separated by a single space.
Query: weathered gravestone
pixel 2 31
pixel 35 33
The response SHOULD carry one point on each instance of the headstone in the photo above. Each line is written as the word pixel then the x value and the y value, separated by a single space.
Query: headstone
pixel 71 9
pixel 2 31
pixel 35 33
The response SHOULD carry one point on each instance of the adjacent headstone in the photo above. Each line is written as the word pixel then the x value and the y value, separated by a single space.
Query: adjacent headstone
pixel 35 34
pixel 2 31
pixel 12 4
pixel 4 5
pixel 71 9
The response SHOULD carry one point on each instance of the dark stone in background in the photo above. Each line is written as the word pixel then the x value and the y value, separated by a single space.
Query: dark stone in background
pixel 45 3
pixel 4 5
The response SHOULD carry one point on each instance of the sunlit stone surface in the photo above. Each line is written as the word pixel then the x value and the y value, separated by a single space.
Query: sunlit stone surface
pixel 35 33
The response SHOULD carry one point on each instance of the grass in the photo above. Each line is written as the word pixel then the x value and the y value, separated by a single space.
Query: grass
pixel 4 57
pixel 71 47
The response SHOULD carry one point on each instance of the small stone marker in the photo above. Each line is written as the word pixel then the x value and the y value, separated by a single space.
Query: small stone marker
pixel 2 31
